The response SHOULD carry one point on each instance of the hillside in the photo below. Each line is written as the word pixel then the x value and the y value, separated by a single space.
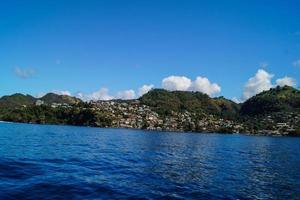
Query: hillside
pixel 61 99
pixel 279 99
pixel 164 102
pixel 19 100
pixel 16 100
pixel 273 112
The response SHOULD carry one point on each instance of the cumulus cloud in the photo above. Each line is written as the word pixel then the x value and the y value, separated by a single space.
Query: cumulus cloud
pixel 126 94
pixel 182 83
pixel 202 84
pixel 289 81
pixel 145 89
pixel 102 94
pixel 260 82
pixel 24 73
pixel 296 63
pixel 173 83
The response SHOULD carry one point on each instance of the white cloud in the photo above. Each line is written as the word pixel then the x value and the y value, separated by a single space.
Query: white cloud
pixel 236 100
pixel 289 81
pixel 173 83
pixel 40 94
pixel 296 63
pixel 260 82
pixel 102 94
pixel 202 84
pixel 62 92
pixel 24 73
pixel 126 94
pixel 145 89
pixel 182 83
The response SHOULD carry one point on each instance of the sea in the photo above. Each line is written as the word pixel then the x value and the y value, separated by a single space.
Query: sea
pixel 69 162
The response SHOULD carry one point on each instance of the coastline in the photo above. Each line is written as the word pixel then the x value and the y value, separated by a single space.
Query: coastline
pixel 6 122
pixel 153 130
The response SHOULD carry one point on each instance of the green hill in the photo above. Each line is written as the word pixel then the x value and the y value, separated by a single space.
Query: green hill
pixel 164 102
pixel 16 100
pixel 20 100
pixel 276 111
pixel 279 99
pixel 61 99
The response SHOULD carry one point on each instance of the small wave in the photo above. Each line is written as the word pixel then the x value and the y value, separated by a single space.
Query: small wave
pixel 6 122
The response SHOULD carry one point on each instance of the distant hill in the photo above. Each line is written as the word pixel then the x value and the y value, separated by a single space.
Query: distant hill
pixel 279 99
pixel 55 98
pixel 164 102
pixel 16 100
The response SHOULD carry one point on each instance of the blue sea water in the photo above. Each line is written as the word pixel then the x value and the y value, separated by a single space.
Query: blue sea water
pixel 64 162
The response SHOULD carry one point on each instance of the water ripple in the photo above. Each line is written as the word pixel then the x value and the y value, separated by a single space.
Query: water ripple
pixel 63 162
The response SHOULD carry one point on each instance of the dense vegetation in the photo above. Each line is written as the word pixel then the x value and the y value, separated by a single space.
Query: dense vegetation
pixel 16 100
pixel 263 111
pixel 279 99
pixel 165 102
pixel 80 115
pixel 20 100
pixel 61 99
pixel 23 108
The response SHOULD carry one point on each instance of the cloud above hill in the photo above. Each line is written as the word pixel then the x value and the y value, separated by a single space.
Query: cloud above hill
pixel 174 83
pixel 202 84
pixel 126 94
pixel 171 83
pixel 182 83
pixel 102 94
pixel 286 81
pixel 145 89
pixel 262 81
pixel 258 83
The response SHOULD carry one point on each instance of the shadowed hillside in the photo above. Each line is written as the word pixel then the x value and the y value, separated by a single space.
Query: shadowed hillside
pixel 279 99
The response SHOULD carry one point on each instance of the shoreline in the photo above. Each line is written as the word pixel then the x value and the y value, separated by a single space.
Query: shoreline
pixel 151 130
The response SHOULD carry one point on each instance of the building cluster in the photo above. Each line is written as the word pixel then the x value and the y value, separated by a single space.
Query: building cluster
pixel 279 123
pixel 132 114
pixel 53 105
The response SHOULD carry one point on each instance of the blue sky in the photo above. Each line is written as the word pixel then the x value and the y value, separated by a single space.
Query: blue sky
pixel 82 46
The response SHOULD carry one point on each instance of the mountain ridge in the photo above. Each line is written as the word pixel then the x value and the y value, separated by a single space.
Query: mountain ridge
pixel 18 100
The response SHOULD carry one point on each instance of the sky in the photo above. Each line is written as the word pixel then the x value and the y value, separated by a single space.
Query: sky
pixel 108 49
